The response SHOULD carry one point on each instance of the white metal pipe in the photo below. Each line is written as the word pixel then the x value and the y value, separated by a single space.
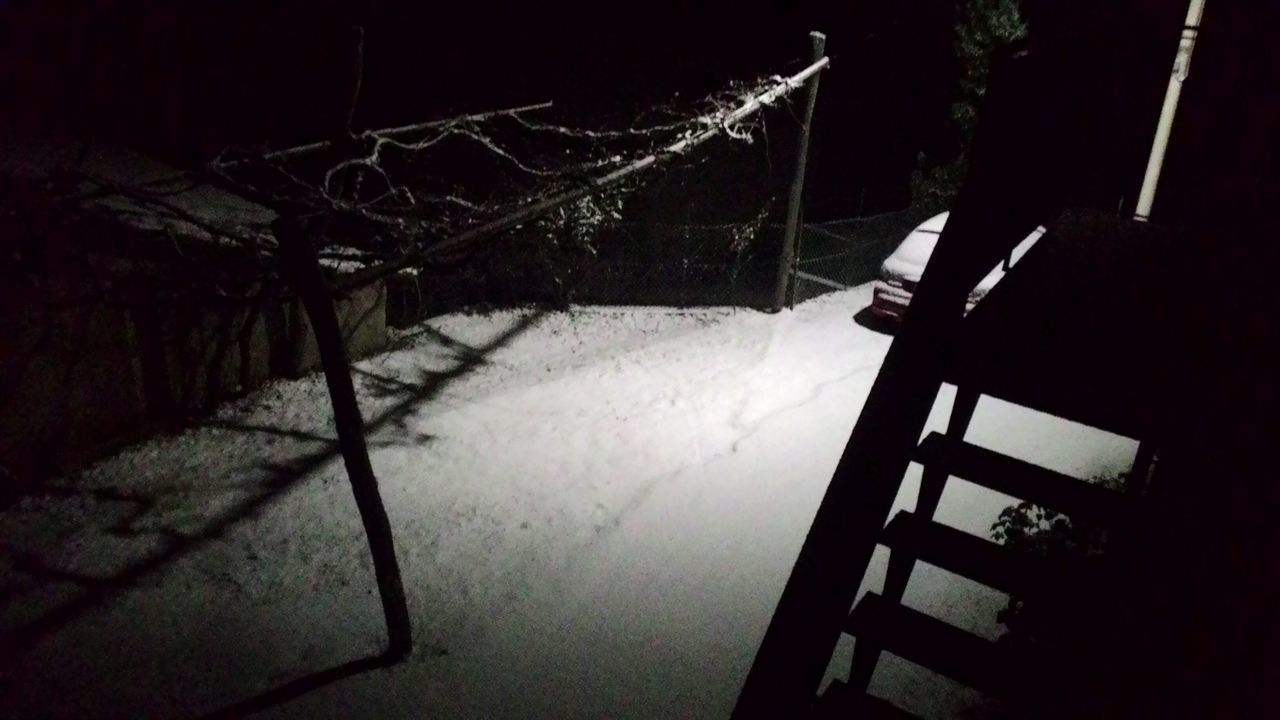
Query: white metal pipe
pixel 1181 66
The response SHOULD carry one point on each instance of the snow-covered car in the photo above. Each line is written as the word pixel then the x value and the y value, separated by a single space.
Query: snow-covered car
pixel 902 270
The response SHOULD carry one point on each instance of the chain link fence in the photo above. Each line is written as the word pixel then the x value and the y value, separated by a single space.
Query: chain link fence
pixel 845 253
pixel 708 231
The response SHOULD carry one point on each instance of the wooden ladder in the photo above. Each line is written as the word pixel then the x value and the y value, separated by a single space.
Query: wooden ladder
pixel 1001 202
pixel 880 622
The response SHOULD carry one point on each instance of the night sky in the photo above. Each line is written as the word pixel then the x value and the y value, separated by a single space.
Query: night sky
pixel 182 80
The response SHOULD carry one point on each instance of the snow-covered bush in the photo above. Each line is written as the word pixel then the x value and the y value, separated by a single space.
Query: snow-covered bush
pixel 1046 634
pixel 1048 534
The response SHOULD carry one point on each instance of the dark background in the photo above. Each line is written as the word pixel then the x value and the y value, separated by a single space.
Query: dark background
pixel 183 79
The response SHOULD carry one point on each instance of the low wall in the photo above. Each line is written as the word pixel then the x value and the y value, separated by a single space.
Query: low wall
pixel 70 389
pixel 79 380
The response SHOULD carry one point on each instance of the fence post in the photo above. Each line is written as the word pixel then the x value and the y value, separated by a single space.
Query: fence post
pixel 796 246
pixel 791 235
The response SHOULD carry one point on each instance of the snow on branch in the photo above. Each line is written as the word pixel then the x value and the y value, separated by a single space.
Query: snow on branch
pixel 726 120
pixel 399 197
pixel 389 134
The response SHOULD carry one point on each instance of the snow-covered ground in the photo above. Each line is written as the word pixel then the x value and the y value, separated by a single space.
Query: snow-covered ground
pixel 595 513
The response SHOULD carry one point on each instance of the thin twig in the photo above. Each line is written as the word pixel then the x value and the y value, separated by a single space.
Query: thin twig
pixel 715 125
pixel 390 132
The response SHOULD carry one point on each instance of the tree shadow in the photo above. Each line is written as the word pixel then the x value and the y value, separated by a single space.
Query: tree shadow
pixel 95 591
pixel 383 386
pixel 295 434
pixel 296 688
pixel 289 433
pixel 454 344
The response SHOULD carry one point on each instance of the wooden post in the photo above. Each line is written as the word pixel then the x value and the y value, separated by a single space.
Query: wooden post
pixel 303 263
pixel 795 261
pixel 791 235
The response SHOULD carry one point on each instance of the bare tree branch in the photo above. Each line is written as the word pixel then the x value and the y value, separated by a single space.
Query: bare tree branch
pixel 389 133
pixel 723 122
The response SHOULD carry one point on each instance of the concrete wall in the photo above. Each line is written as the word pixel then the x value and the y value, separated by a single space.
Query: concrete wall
pixel 362 317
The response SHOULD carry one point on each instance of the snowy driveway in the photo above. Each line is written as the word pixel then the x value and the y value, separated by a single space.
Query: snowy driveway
pixel 595 514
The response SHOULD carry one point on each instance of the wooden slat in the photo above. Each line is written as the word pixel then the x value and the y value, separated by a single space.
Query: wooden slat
pixel 991 564
pixel 841 703
pixel 929 642
pixel 1071 496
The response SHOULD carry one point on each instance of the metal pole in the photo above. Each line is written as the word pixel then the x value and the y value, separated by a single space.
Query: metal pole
pixel 1181 66
pixel 790 238
pixel 795 261
pixel 1147 197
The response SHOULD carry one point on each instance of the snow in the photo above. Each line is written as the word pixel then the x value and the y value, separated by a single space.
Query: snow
pixel 36 158
pixel 595 512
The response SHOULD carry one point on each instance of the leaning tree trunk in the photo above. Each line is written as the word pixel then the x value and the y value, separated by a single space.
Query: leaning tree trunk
pixel 302 262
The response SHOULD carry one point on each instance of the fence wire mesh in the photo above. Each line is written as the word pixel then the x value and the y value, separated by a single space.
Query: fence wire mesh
pixel 706 231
